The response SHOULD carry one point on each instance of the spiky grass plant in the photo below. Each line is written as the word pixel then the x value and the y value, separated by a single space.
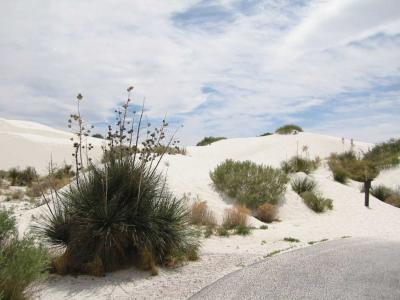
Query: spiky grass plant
pixel 316 202
pixel 121 212
pixel 381 192
pixel 301 185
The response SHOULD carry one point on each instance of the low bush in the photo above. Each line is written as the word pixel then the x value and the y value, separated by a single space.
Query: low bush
pixel 381 192
pixel 249 184
pixel 301 185
pixel 242 229
pixel 266 212
pixel 264 227
pixel 266 134
pixel 23 177
pixel 291 240
pixel 299 164
pixel 348 165
pixel 235 216
pixel 394 200
pixel 201 215
pixel 21 261
pixel 209 140
pixel 385 155
pixel 289 129
pixel 316 202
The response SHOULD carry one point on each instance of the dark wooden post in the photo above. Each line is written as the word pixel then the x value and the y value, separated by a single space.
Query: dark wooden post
pixel 367 186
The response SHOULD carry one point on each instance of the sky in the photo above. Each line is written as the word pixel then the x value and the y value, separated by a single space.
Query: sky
pixel 234 68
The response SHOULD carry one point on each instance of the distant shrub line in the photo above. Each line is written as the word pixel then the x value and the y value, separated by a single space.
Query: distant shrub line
pixel 209 140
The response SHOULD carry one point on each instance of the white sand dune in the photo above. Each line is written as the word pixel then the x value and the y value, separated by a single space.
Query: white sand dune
pixel 190 174
pixel 26 144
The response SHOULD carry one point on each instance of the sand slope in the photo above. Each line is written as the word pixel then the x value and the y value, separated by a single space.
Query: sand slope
pixel 31 144
pixel 26 143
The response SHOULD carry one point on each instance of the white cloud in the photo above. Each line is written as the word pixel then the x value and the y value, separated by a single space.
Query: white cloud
pixel 267 64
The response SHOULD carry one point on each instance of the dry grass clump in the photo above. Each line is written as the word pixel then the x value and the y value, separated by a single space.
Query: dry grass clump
pixel 267 212
pixel 393 200
pixel 235 216
pixel 201 214
pixel 289 129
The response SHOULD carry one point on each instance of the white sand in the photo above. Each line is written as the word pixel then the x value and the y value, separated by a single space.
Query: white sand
pixel 26 144
pixel 219 255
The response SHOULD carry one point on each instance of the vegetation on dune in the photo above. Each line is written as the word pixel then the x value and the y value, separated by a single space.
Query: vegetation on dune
pixel 201 214
pixel 267 212
pixel 22 261
pixel 249 184
pixel 266 134
pixel 386 194
pixel 120 212
pixel 307 189
pixel 208 140
pixel 289 129
pixel 19 177
pixel 316 201
pixel 385 155
pixel 348 165
pixel 300 164
pixel 301 185
pixel 236 218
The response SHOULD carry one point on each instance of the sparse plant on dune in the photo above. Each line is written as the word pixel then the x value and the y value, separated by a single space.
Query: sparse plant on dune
pixel 289 129
pixel 120 212
pixel 299 164
pixel 202 215
pixel 208 140
pixel 316 202
pixel 381 192
pixel 301 185
pixel 235 216
pixel 385 155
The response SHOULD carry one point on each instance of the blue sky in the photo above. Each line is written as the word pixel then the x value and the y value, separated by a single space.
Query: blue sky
pixel 235 68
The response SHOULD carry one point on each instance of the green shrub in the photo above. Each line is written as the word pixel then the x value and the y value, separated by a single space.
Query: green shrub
pixel 209 140
pixel 249 184
pixel 264 227
pixel 291 240
pixel 299 164
pixel 316 202
pixel 23 177
pixel 385 155
pixel 381 192
pixel 301 185
pixel 242 229
pixel 289 129
pixel 98 136
pixel 266 134
pixel 21 261
pixel 222 231
pixel 348 165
